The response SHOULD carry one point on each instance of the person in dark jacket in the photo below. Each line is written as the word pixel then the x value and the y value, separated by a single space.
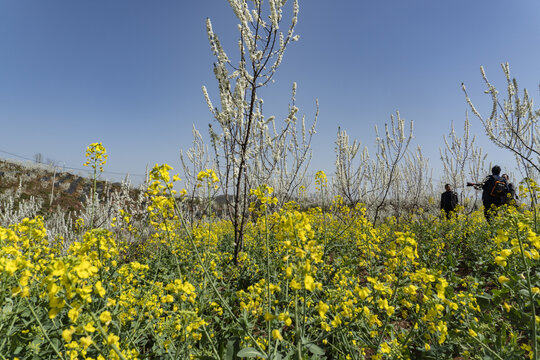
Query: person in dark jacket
pixel 449 200
pixel 511 197
pixel 494 191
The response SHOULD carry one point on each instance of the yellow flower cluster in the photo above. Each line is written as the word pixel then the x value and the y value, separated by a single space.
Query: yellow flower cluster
pixel 96 156
pixel 210 175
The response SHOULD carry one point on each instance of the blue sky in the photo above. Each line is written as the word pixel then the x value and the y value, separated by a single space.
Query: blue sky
pixel 128 73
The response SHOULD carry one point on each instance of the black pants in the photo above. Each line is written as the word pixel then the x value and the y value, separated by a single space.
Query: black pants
pixel 448 211
pixel 489 209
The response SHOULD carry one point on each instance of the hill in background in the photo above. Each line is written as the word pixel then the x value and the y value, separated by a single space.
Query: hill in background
pixel 56 190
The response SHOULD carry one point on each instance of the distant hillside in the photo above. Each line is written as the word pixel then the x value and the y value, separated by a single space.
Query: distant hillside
pixel 68 191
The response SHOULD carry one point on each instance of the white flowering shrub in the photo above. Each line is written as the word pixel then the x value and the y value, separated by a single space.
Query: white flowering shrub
pixel 14 208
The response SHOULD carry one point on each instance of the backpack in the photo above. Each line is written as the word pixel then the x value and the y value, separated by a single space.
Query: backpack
pixel 500 187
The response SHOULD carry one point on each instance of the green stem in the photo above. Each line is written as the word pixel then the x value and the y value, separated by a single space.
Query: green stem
pixel 7 333
pixel 170 243
pixel 412 327
pixel 298 332
pixel 531 296
pixel 158 267
pixel 268 293
pixel 304 311
pixel 93 196
pixel 207 275
pixel 387 316
pixel 104 335
pixel 211 342
pixel 43 330
pixel 92 214
pixel 325 240
pixel 485 347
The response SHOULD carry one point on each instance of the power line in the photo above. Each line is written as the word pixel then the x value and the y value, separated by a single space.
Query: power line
pixel 70 167
pixel 310 175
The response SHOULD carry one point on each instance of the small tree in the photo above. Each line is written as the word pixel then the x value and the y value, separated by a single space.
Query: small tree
pixel 249 148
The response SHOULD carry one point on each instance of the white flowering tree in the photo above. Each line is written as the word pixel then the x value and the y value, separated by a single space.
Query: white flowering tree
pixel 513 122
pixel 380 182
pixel 249 148
pixel 351 169
pixel 384 168
pixel 414 186
pixel 196 159
pixel 462 161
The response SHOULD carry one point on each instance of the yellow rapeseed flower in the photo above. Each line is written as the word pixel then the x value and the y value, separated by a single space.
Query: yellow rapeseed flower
pixel 73 314
pixel 276 334
pixel 112 339
pixel 295 285
pixel 309 283
pixel 99 289
pixel 500 261
pixel 322 308
pixel 385 348
pixel 67 333
pixel 89 327
pixel 105 317
pixel 85 342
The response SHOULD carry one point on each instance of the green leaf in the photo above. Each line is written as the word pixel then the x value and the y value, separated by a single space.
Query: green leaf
pixel 314 349
pixel 8 307
pixel 232 347
pixel 250 352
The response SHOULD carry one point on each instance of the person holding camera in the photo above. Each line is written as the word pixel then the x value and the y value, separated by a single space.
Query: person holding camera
pixel 495 190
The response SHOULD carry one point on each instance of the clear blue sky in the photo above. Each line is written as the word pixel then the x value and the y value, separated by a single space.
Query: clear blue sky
pixel 128 73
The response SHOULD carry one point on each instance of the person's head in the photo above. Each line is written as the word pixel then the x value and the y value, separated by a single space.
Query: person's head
pixel 505 177
pixel 496 170
pixel 448 187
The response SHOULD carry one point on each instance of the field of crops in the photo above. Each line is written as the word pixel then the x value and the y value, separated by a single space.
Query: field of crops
pixel 316 283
